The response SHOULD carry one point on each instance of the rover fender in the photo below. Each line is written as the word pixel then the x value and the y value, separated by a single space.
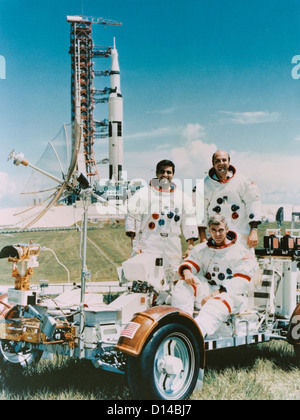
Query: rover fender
pixel 293 336
pixel 142 326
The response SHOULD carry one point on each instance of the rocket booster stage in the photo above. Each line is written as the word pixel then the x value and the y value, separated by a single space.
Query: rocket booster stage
pixel 115 117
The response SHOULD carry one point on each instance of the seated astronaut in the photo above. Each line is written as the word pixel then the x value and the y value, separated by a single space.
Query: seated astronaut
pixel 215 277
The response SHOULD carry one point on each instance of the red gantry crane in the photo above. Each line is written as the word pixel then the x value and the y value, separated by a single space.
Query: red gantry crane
pixel 83 95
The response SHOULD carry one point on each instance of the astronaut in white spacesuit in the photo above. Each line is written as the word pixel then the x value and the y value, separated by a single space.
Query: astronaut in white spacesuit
pixel 231 194
pixel 215 277
pixel 160 211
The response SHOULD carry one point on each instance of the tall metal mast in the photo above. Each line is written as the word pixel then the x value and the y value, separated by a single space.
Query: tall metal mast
pixel 82 92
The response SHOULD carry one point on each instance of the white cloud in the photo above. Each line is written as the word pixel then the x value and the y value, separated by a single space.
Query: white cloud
pixel 193 158
pixel 187 157
pixel 193 132
pixel 276 174
pixel 256 117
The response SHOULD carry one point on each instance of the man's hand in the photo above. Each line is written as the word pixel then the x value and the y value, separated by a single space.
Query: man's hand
pixel 252 238
pixel 187 253
pixel 190 248
pixel 189 278
pixel 202 234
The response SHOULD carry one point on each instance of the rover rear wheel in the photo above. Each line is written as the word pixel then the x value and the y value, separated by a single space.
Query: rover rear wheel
pixel 18 354
pixel 14 354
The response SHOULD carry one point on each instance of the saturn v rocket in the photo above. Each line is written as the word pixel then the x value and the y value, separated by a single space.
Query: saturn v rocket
pixel 115 118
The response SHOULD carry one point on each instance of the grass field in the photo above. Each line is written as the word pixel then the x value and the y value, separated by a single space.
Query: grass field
pixel 260 372
pixel 111 240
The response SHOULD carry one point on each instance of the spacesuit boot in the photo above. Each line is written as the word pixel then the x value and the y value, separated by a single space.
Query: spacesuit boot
pixel 213 314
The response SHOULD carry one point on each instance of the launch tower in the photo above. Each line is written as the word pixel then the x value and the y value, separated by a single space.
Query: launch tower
pixel 83 95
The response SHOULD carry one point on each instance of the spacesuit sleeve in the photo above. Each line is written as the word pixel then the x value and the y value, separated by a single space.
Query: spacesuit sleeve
pixel 249 193
pixel 200 204
pixel 134 209
pixel 193 262
pixel 243 269
pixel 130 225
pixel 189 223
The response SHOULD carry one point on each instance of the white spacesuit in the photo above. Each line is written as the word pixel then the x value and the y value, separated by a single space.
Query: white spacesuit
pixel 159 216
pixel 223 274
pixel 237 198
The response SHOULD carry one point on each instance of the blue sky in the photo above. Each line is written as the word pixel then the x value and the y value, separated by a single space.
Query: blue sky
pixel 196 75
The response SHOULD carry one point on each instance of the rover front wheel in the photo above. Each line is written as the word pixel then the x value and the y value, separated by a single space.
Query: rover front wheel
pixel 297 352
pixel 168 367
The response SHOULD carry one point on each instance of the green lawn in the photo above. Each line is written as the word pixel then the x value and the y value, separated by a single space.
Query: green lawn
pixel 259 372
pixel 66 245
pixel 111 239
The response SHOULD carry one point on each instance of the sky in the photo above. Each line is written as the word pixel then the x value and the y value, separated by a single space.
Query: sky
pixel 196 76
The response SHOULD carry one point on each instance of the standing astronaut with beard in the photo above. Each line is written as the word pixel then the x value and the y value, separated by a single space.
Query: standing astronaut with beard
pixel 215 277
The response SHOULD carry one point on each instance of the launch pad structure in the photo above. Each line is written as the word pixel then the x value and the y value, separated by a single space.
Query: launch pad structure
pixel 84 97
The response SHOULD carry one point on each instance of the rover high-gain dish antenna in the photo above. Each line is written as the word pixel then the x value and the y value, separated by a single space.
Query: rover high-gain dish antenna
pixel 56 180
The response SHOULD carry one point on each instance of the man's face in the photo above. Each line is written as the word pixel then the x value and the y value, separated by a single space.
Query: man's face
pixel 221 163
pixel 218 233
pixel 165 174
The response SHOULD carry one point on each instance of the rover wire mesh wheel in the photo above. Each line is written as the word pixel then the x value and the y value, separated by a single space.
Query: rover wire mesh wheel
pixel 168 367
pixel 18 354
pixel 14 354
